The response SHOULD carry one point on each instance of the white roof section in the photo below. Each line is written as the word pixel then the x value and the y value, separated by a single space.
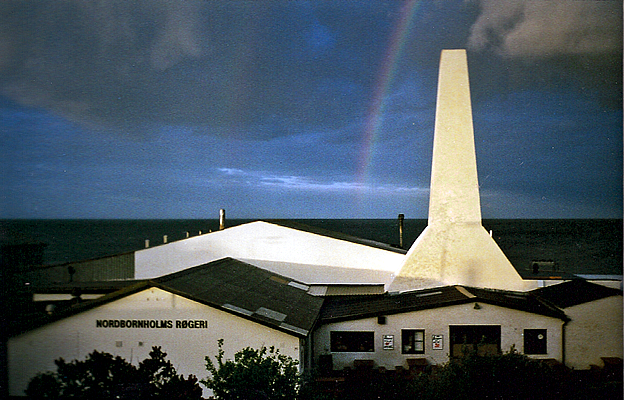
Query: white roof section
pixel 299 254
pixel 326 274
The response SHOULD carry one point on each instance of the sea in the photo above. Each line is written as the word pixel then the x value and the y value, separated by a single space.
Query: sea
pixel 585 246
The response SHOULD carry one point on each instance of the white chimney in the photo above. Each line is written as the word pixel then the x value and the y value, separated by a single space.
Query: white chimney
pixel 455 249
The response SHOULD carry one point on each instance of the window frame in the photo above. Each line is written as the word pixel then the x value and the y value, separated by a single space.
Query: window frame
pixel 533 345
pixel 352 341
pixel 480 339
pixel 412 334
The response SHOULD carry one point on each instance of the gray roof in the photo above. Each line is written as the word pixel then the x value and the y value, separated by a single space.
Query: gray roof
pixel 356 307
pixel 226 284
pixel 575 292
pixel 249 291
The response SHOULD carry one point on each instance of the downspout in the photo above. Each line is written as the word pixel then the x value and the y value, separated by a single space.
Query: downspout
pixel 303 355
pixel 563 342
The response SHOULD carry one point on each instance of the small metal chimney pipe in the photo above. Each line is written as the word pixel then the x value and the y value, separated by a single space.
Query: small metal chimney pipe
pixel 401 218
pixel 221 219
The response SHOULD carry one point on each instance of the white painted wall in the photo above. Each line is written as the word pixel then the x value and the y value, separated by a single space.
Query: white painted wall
pixel 265 241
pixel 76 336
pixel 436 322
pixel 595 331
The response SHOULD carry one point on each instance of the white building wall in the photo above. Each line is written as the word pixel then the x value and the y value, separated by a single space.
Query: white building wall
pixel 76 336
pixel 595 331
pixel 265 241
pixel 436 322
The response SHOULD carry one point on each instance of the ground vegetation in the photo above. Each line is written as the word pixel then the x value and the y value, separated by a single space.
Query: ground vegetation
pixel 104 376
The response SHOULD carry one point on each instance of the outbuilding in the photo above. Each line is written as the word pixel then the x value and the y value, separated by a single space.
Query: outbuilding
pixel 185 313
pixel 427 327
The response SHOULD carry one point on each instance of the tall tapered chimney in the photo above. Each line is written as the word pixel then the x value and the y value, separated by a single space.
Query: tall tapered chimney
pixel 454 195
pixel 454 248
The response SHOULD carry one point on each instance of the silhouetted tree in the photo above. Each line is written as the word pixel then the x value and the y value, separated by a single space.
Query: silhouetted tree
pixel 104 376
pixel 254 374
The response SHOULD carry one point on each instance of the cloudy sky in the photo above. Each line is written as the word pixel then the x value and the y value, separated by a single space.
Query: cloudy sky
pixel 303 109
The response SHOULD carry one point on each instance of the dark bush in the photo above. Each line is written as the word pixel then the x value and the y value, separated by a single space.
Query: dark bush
pixel 506 376
pixel 254 374
pixel 104 376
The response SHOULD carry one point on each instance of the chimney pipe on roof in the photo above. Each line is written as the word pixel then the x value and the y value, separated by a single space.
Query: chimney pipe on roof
pixel 221 219
pixel 401 218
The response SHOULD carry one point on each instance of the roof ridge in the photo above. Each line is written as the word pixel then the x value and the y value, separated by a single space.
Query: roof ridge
pixel 293 224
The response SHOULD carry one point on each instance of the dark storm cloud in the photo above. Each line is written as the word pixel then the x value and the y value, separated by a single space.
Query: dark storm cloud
pixel 224 67
pixel 521 28
pixel 97 61
pixel 549 44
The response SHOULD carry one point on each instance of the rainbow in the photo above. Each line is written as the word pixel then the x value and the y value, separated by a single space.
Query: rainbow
pixel 386 74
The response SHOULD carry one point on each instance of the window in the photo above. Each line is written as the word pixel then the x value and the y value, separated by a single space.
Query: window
pixel 479 339
pixel 535 341
pixel 352 341
pixel 413 341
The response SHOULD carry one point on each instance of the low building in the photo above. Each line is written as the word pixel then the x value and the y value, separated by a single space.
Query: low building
pixel 185 313
pixel 429 326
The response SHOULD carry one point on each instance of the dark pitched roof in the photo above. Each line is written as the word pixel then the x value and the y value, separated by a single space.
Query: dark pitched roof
pixel 227 284
pixel 575 292
pixel 357 307
pixel 335 235
pixel 250 291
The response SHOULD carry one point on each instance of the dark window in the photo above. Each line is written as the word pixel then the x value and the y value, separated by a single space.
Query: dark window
pixel 412 341
pixel 352 341
pixel 535 341
pixel 480 339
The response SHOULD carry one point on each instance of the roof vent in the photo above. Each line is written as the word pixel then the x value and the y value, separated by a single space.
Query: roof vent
pixel 221 219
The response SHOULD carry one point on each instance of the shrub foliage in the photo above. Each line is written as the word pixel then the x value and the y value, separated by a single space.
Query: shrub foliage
pixel 254 374
pixel 504 376
pixel 501 376
pixel 104 376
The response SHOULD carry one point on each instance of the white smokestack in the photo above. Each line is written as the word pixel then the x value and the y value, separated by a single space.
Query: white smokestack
pixel 455 249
